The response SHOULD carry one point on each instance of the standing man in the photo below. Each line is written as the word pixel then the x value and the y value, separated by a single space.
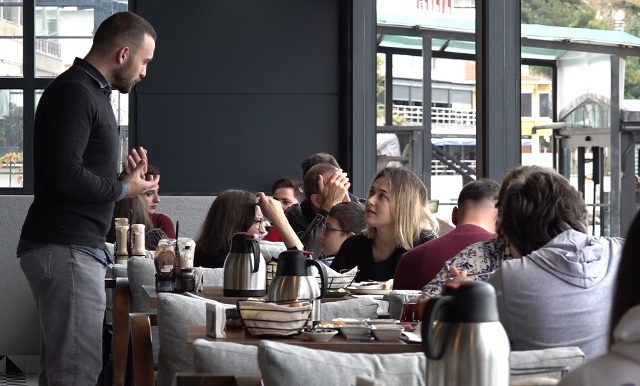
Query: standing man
pixel 62 245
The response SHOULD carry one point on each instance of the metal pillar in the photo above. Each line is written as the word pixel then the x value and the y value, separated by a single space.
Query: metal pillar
pixel 498 124
pixel 363 98
pixel 622 159
pixel 424 169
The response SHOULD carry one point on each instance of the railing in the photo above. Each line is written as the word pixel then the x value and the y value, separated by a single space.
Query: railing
pixel 439 168
pixel 49 48
pixel 441 115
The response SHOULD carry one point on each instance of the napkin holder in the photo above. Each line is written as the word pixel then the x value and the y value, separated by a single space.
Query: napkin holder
pixel 216 320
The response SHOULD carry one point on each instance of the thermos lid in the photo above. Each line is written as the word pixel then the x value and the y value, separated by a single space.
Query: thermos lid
pixel 292 262
pixel 475 302
pixel 241 242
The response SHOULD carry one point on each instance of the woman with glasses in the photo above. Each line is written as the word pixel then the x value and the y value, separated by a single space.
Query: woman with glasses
pixel 398 218
pixel 236 211
pixel 231 212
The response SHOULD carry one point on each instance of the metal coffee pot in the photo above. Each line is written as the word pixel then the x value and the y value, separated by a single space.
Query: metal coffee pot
pixel 245 272
pixel 295 280
pixel 463 338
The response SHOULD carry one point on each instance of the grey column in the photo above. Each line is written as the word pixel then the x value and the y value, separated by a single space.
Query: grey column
pixel 622 197
pixel 426 114
pixel 364 96
pixel 498 126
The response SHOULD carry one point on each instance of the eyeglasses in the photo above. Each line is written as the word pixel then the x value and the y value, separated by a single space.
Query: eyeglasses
pixel 324 228
pixel 262 223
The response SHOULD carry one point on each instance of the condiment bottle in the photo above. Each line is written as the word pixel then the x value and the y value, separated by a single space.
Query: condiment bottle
pixel 187 280
pixel 165 263
pixel 186 257
pixel 138 240
pixel 122 235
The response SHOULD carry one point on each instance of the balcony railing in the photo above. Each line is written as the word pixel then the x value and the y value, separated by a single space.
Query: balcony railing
pixel 439 115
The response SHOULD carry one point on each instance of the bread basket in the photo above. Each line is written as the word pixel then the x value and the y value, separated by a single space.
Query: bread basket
pixel 262 318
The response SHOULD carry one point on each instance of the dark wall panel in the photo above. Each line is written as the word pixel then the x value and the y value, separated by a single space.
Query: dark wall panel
pixel 243 46
pixel 241 91
pixel 208 143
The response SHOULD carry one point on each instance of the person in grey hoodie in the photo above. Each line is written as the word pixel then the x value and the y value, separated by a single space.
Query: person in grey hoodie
pixel 621 366
pixel 557 290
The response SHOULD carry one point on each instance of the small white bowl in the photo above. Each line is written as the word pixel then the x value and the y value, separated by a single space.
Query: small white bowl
pixel 355 329
pixel 321 335
pixel 387 331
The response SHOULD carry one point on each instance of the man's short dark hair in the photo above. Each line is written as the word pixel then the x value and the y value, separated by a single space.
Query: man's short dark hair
pixel 350 215
pixel 479 191
pixel 318 158
pixel 310 181
pixel 120 29
pixel 289 183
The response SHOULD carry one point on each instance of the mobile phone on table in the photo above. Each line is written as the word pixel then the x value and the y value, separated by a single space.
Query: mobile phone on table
pixel 360 338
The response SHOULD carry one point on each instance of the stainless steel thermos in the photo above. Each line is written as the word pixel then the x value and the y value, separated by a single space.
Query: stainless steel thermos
pixel 463 338
pixel 245 272
pixel 295 281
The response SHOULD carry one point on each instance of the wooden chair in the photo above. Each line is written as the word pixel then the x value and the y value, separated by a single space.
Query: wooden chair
pixel 142 350
pixel 121 365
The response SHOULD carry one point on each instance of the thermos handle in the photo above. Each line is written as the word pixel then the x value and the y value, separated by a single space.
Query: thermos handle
pixel 323 276
pixel 255 247
pixel 435 309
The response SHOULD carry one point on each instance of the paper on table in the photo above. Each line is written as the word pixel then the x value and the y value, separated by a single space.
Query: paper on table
pixel 336 279
pixel 216 320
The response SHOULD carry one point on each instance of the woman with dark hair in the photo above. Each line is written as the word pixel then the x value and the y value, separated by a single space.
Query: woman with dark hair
pixel 621 366
pixel 398 218
pixel 556 290
pixel 231 212
pixel 236 211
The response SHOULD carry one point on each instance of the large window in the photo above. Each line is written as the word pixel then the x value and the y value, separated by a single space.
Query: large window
pixel 39 40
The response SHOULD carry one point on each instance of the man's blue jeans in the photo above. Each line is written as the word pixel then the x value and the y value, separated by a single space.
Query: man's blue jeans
pixel 68 287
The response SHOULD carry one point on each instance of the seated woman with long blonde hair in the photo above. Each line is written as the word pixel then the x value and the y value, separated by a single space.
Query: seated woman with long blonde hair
pixel 398 218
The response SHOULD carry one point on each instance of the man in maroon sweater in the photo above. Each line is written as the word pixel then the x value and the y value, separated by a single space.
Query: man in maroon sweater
pixel 475 220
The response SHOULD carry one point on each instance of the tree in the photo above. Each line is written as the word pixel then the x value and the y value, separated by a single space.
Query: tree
pixel 595 14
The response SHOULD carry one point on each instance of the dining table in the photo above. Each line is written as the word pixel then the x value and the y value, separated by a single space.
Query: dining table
pixel 217 293
pixel 337 344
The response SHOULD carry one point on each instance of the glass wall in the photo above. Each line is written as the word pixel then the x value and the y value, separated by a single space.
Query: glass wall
pixel 39 39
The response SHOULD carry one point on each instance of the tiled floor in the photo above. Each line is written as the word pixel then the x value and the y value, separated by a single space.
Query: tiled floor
pixel 18 380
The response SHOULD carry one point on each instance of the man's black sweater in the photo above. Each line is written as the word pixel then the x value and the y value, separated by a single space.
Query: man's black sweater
pixel 75 156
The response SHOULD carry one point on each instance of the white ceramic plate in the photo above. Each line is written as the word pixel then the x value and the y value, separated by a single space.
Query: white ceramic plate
pixel 362 290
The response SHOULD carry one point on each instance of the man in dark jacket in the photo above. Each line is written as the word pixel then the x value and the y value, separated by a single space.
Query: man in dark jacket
pixel 75 148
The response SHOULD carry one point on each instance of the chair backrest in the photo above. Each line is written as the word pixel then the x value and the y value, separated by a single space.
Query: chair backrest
pixel 141 348
pixel 175 313
pixel 204 379
pixel 359 308
pixel 219 357
pixel 120 317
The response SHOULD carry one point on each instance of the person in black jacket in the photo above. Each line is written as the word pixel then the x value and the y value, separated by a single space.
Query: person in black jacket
pixel 62 247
